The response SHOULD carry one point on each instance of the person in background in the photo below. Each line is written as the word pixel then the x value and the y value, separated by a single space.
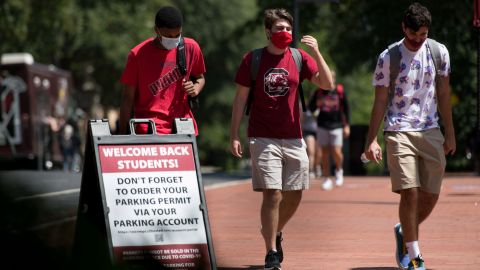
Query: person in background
pixel 333 123
pixel 69 141
pixel 309 131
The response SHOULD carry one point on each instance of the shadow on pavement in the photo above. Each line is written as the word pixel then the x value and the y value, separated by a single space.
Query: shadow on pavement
pixel 379 268
pixel 374 268
pixel 348 202
pixel 25 247
pixel 463 194
pixel 252 267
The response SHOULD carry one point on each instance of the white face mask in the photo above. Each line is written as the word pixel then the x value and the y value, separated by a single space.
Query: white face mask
pixel 170 43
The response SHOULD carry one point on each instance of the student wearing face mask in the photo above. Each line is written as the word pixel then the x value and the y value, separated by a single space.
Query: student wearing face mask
pixel 411 83
pixel 280 167
pixel 154 85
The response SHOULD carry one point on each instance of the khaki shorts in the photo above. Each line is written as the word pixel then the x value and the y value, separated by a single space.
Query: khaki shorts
pixel 416 159
pixel 279 164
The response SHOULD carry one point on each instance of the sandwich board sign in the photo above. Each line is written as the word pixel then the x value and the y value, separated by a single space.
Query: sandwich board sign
pixel 142 203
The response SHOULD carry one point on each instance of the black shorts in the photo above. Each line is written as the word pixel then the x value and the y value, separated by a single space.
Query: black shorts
pixel 307 133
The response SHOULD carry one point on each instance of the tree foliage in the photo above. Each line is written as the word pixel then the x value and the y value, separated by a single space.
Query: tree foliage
pixel 92 38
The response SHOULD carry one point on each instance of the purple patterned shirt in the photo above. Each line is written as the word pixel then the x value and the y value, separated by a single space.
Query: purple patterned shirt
pixel 414 105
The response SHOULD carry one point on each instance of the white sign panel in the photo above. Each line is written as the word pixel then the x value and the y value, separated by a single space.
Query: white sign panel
pixel 153 200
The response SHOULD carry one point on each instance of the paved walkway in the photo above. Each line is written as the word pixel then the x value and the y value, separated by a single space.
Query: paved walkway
pixel 348 228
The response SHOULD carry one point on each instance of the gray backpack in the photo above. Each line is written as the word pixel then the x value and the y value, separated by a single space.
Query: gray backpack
pixel 256 57
pixel 393 50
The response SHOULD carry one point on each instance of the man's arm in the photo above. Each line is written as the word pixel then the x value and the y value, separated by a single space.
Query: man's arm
pixel 372 149
pixel 323 78
pixel 312 102
pixel 194 88
pixel 241 97
pixel 445 109
pixel 126 107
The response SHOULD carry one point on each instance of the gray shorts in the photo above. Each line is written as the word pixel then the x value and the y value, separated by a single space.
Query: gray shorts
pixel 279 164
pixel 329 137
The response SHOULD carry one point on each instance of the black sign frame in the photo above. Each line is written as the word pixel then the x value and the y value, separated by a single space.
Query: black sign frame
pixel 93 240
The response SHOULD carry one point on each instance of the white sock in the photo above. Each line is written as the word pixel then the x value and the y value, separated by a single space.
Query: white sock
pixel 413 249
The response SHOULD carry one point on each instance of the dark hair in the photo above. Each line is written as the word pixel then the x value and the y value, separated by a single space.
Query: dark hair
pixel 169 17
pixel 417 16
pixel 272 15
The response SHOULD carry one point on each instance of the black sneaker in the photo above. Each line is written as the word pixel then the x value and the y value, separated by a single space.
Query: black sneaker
pixel 278 245
pixel 272 261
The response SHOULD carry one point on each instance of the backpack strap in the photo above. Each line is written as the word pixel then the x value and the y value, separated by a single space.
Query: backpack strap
pixel 434 48
pixel 193 102
pixel 394 52
pixel 181 57
pixel 297 57
pixel 344 109
pixel 256 57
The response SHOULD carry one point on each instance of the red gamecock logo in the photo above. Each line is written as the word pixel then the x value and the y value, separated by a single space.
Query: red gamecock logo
pixel 276 82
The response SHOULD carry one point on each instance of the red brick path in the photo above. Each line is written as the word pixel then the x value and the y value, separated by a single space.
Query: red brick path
pixel 348 228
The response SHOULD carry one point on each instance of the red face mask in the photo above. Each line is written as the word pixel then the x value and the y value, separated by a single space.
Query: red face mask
pixel 281 39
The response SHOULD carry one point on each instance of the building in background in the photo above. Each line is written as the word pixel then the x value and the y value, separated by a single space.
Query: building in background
pixel 34 101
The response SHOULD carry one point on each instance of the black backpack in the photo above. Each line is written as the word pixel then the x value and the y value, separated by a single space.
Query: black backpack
pixel 256 57
pixel 193 102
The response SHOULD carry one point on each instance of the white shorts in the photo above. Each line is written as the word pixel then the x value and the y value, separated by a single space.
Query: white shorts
pixel 329 137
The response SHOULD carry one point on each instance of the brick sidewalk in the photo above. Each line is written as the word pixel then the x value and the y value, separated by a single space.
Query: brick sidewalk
pixel 347 228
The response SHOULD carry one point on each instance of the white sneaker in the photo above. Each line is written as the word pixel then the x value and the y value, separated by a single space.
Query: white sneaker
pixel 339 178
pixel 327 184
pixel 312 175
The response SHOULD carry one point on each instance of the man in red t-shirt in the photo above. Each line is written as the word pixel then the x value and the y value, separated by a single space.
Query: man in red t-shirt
pixel 154 86
pixel 278 152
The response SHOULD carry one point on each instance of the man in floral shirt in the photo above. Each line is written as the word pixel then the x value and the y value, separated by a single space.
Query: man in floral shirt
pixel 410 108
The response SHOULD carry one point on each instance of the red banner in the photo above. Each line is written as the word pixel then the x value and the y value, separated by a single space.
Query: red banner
pixel 146 158
pixel 186 256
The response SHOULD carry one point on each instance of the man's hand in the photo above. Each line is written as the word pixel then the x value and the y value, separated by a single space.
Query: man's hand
pixel 310 41
pixel 374 152
pixel 323 77
pixel 449 146
pixel 346 131
pixel 189 87
pixel 236 148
